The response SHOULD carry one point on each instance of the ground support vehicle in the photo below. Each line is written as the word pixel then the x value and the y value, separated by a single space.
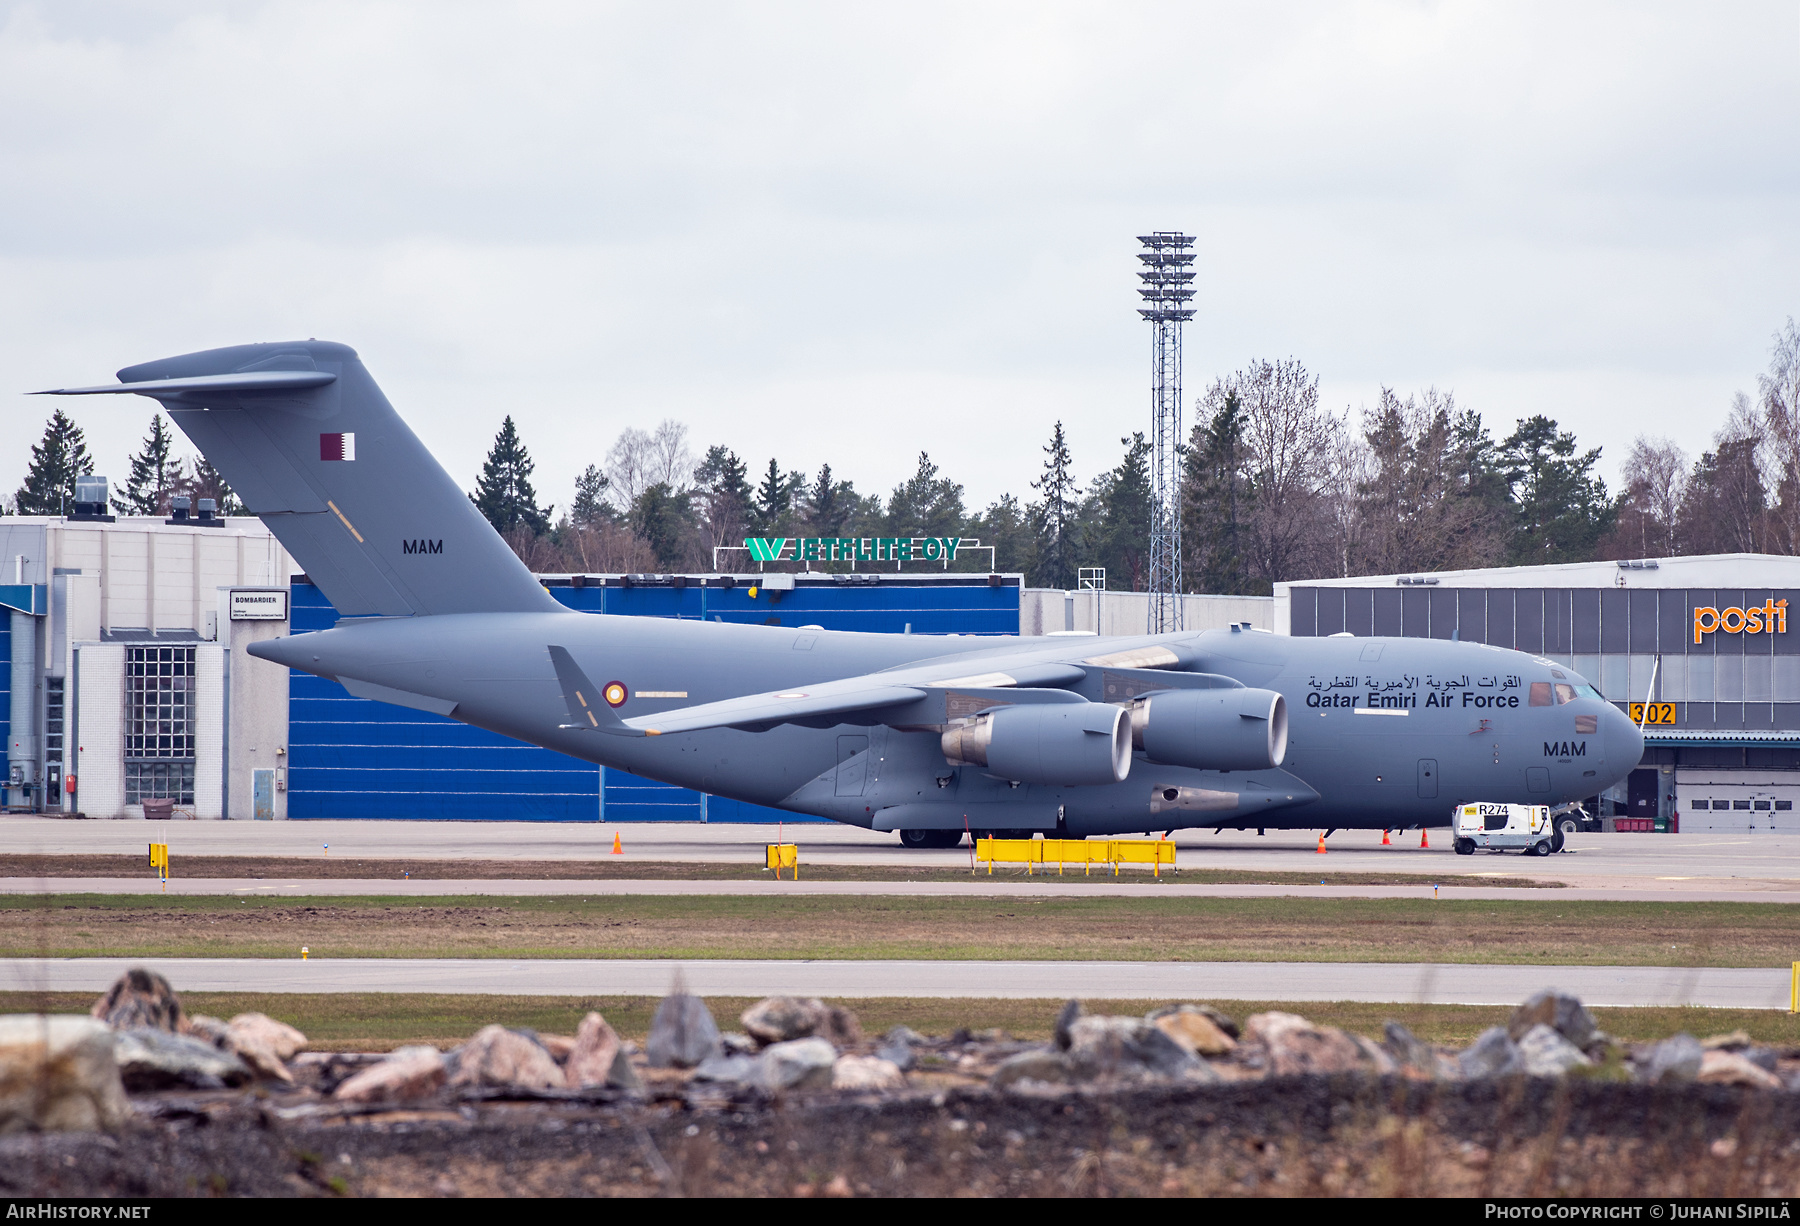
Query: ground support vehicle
pixel 1495 827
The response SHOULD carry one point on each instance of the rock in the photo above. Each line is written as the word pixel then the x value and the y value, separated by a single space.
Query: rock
pixel 496 1056
pixel 594 1049
pixel 782 1019
pixel 1670 1061
pixel 1492 1054
pixel 683 1032
pixel 1044 1067
pixel 733 1068
pixel 407 1075
pixel 1071 1010
pixel 1294 1045
pixel 154 1059
pixel 140 1000
pixel 737 1043
pixel 801 1064
pixel 866 1073
pixel 1412 1055
pixel 1374 1059
pixel 1544 1052
pixel 1737 1040
pixel 906 1035
pixel 278 1037
pixel 1730 1068
pixel 1217 1017
pixel 207 1029
pixel 560 1046
pixel 1564 1014
pixel 623 1076
pixel 898 1052
pixel 58 1074
pixel 1126 1047
pixel 1197 1032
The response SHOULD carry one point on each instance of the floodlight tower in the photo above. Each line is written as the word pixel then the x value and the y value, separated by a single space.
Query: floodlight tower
pixel 1168 277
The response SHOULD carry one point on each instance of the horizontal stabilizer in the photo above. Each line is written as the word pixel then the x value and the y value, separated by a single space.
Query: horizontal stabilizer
pixel 588 709
pixel 244 381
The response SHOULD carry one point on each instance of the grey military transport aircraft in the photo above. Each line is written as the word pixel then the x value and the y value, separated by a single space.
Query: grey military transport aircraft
pixel 924 735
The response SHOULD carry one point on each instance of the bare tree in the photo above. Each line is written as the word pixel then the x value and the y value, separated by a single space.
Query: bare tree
pixel 1778 392
pixel 1655 476
pixel 1293 447
pixel 639 460
pixel 1724 508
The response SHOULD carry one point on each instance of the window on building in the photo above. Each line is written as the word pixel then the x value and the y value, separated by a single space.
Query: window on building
pixel 53 719
pixel 159 724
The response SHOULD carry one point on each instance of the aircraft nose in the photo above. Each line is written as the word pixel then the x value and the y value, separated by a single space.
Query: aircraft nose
pixel 1624 740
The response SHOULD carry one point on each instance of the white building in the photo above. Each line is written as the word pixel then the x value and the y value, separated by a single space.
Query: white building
pixel 125 653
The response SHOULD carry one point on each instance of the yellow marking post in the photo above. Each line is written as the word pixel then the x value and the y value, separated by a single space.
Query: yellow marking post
pixel 1794 990
pixel 784 855
pixel 159 860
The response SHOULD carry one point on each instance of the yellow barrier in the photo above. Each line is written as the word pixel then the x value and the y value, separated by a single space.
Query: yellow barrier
pixel 1086 852
pixel 1154 852
pixel 159 860
pixel 784 855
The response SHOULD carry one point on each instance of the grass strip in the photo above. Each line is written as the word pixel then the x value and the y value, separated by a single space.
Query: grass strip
pixel 382 1021
pixel 323 868
pixel 1149 928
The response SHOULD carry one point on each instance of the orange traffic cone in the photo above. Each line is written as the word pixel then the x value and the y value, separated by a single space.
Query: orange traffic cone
pixel 618 848
pixel 1385 841
pixel 1424 839
pixel 1321 844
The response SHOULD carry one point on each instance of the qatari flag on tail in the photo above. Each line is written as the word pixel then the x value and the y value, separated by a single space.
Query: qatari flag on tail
pixel 337 446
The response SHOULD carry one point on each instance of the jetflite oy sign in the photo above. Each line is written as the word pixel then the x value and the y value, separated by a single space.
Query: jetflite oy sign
pixel 1769 617
pixel 855 548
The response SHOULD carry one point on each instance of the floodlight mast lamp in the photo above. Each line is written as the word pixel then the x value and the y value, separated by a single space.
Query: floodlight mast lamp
pixel 1168 280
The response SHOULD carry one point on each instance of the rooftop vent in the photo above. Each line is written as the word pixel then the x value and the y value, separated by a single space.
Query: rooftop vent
pixel 90 500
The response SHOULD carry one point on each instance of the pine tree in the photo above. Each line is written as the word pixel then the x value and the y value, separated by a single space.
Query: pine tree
pixel 503 492
pixel 62 456
pixel 205 481
pixel 1563 507
pixel 1126 506
pixel 1051 517
pixel 1216 499
pixel 591 506
pixel 154 473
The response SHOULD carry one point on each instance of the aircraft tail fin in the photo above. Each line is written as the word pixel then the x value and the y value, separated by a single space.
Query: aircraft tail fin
pixel 305 437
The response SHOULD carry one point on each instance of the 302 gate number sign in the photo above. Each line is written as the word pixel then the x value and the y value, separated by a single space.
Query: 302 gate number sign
pixel 1660 713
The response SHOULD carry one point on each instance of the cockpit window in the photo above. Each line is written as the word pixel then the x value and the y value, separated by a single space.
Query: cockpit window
pixel 1588 691
pixel 1564 693
pixel 1540 693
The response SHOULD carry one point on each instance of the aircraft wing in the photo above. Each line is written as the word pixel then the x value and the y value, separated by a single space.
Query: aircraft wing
pixel 805 703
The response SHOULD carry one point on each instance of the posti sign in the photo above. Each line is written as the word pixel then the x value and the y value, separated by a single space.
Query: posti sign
pixel 853 548
pixel 1769 617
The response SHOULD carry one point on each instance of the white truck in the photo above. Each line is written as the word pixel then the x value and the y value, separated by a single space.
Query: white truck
pixel 1527 828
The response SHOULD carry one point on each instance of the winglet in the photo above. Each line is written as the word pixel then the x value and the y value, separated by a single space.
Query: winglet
pixel 588 711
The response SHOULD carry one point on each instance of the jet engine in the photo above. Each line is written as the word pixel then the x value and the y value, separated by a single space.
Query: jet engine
pixel 1218 730
pixel 1060 743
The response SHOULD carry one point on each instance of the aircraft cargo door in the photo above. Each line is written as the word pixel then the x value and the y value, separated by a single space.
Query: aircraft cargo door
pixel 1428 776
pixel 853 765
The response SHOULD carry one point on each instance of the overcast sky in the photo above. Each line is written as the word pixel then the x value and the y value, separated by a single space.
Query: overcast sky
pixel 847 232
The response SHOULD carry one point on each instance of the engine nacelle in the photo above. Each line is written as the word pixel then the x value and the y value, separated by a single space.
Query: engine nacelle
pixel 1217 730
pixel 1061 743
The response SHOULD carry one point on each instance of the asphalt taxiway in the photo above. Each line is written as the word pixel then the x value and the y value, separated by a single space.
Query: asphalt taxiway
pixel 1716 987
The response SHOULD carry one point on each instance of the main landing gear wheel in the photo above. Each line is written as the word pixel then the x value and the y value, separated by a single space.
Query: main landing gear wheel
pixel 1464 847
pixel 922 839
